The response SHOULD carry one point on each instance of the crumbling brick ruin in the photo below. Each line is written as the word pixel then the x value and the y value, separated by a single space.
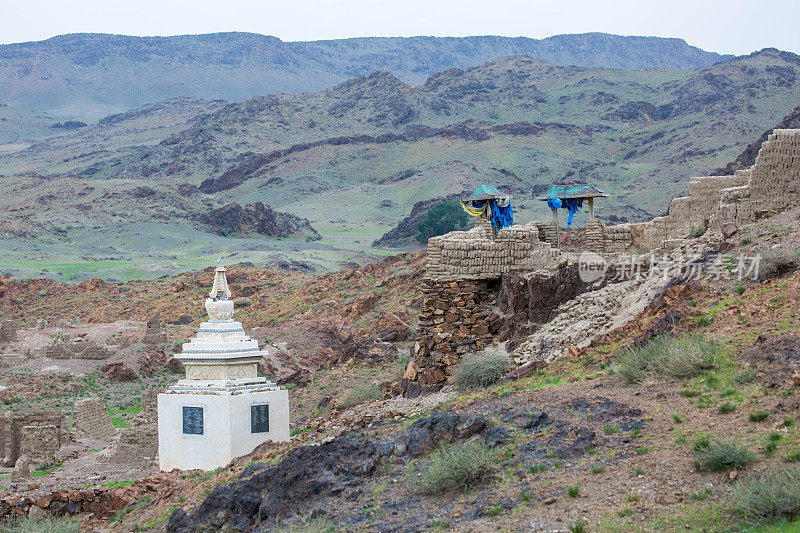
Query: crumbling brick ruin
pixel 154 331
pixel 136 446
pixel 480 254
pixel 91 419
pixel 37 435
pixel 64 347
pixel 512 286
pixel 771 185
pixel 8 331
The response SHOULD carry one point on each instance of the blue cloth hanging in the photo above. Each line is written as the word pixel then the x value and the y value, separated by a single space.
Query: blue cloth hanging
pixel 502 216
pixel 572 205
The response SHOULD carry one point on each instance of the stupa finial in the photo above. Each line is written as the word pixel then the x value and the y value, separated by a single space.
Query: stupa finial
pixel 220 290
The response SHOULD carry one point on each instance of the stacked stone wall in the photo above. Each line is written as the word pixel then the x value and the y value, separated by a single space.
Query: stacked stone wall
pixel 16 440
pixel 456 319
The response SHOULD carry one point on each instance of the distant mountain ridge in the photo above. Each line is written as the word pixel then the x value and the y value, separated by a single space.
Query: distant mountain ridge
pixel 91 75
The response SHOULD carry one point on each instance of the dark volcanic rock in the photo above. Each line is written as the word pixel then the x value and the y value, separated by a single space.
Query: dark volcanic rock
pixel 234 219
pixel 309 475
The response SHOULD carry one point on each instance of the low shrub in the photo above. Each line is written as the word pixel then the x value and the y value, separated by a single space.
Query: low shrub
pixel 578 526
pixel 721 454
pixel 311 525
pixel 695 232
pixel 758 416
pixel 668 357
pixel 770 495
pixel 778 261
pixel 481 369
pixel 457 467
pixel 360 394
pixel 41 525
pixel 242 302
pixel 573 491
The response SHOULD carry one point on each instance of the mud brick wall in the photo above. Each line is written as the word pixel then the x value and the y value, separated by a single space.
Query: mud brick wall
pixel 91 418
pixel 136 446
pixel 775 176
pixel 73 350
pixel 8 331
pixel 12 433
pixel 456 318
pixel 40 443
pixel 481 254
pixel 772 184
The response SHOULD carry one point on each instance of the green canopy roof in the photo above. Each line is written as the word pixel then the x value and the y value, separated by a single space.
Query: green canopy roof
pixel 585 190
pixel 484 192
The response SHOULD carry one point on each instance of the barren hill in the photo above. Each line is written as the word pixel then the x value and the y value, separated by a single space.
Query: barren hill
pixel 89 75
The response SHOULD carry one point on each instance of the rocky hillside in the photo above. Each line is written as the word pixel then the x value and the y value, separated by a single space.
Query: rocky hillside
pixel 354 159
pixel 257 218
pixel 93 74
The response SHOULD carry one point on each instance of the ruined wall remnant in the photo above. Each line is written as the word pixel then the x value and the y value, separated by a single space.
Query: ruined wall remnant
pixel 456 318
pixel 771 185
pixel 154 331
pixel 64 347
pixel 481 254
pixel 40 443
pixel 22 434
pixel 8 331
pixel 136 446
pixel 91 418
pixel 459 317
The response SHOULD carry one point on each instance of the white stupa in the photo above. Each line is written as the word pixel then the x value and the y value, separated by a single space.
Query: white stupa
pixel 222 410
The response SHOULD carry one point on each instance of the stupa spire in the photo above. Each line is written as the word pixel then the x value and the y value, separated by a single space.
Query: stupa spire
pixel 220 289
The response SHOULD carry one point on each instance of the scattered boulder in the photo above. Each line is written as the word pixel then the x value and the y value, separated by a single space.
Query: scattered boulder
pixel 22 468
pixel 728 229
pixel 118 371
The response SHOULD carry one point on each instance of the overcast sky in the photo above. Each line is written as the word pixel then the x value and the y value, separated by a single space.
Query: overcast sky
pixel 729 26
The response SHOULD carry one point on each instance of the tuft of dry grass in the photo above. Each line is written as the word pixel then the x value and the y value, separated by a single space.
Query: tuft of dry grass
pixel 481 369
pixel 458 467
pixel 668 357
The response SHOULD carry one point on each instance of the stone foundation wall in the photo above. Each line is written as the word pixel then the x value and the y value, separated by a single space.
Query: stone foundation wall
pixel 459 317
pixel 90 418
pixel 18 434
pixel 456 319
